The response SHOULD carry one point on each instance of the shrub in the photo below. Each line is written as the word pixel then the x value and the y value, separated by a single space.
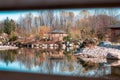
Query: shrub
pixel 67 38
pixel 13 38
pixel 89 42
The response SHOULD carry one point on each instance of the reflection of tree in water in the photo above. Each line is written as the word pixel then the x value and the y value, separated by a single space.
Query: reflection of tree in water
pixel 41 61
pixel 8 56
pixel 69 54
pixel 98 68
pixel 31 57
pixel 68 50
pixel 88 65
pixel 58 66
pixel 67 66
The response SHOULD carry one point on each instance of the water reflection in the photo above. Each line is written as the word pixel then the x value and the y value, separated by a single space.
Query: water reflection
pixel 40 61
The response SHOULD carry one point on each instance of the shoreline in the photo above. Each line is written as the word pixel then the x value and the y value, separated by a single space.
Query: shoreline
pixel 8 48
pixel 98 52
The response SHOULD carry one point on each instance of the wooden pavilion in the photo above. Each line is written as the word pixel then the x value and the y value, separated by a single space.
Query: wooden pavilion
pixel 57 35
pixel 115 32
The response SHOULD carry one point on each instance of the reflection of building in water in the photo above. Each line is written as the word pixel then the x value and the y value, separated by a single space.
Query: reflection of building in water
pixel 30 57
pixel 57 35
pixel 56 54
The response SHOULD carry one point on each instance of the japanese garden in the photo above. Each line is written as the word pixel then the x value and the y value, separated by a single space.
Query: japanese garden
pixel 73 42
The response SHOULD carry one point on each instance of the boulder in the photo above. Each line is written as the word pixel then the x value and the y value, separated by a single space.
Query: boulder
pixel 105 44
pixel 112 56
pixel 99 52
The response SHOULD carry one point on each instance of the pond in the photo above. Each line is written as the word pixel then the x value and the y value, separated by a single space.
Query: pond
pixel 40 61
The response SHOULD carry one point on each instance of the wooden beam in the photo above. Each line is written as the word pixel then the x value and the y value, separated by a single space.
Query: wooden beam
pixel 6 75
pixel 55 4
pixel 116 28
pixel 113 35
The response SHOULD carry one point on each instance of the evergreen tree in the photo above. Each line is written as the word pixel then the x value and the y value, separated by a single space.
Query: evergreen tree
pixel 9 26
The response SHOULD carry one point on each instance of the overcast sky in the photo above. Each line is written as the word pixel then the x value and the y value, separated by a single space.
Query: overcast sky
pixel 16 14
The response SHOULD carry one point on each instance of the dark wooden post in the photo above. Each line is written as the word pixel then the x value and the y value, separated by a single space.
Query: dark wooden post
pixel 112 34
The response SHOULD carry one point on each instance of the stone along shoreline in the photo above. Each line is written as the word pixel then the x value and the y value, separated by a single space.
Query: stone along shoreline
pixel 8 47
pixel 98 52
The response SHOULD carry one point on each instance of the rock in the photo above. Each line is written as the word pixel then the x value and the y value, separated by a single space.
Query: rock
pixel 105 44
pixel 114 62
pixel 99 52
pixel 112 56
pixel 8 47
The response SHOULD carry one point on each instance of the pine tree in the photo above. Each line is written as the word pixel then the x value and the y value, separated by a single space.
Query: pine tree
pixel 9 26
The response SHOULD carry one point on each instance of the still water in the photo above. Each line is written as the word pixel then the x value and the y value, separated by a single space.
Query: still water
pixel 40 61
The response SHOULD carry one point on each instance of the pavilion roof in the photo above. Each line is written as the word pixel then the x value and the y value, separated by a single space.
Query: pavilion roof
pixel 115 26
pixel 57 32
